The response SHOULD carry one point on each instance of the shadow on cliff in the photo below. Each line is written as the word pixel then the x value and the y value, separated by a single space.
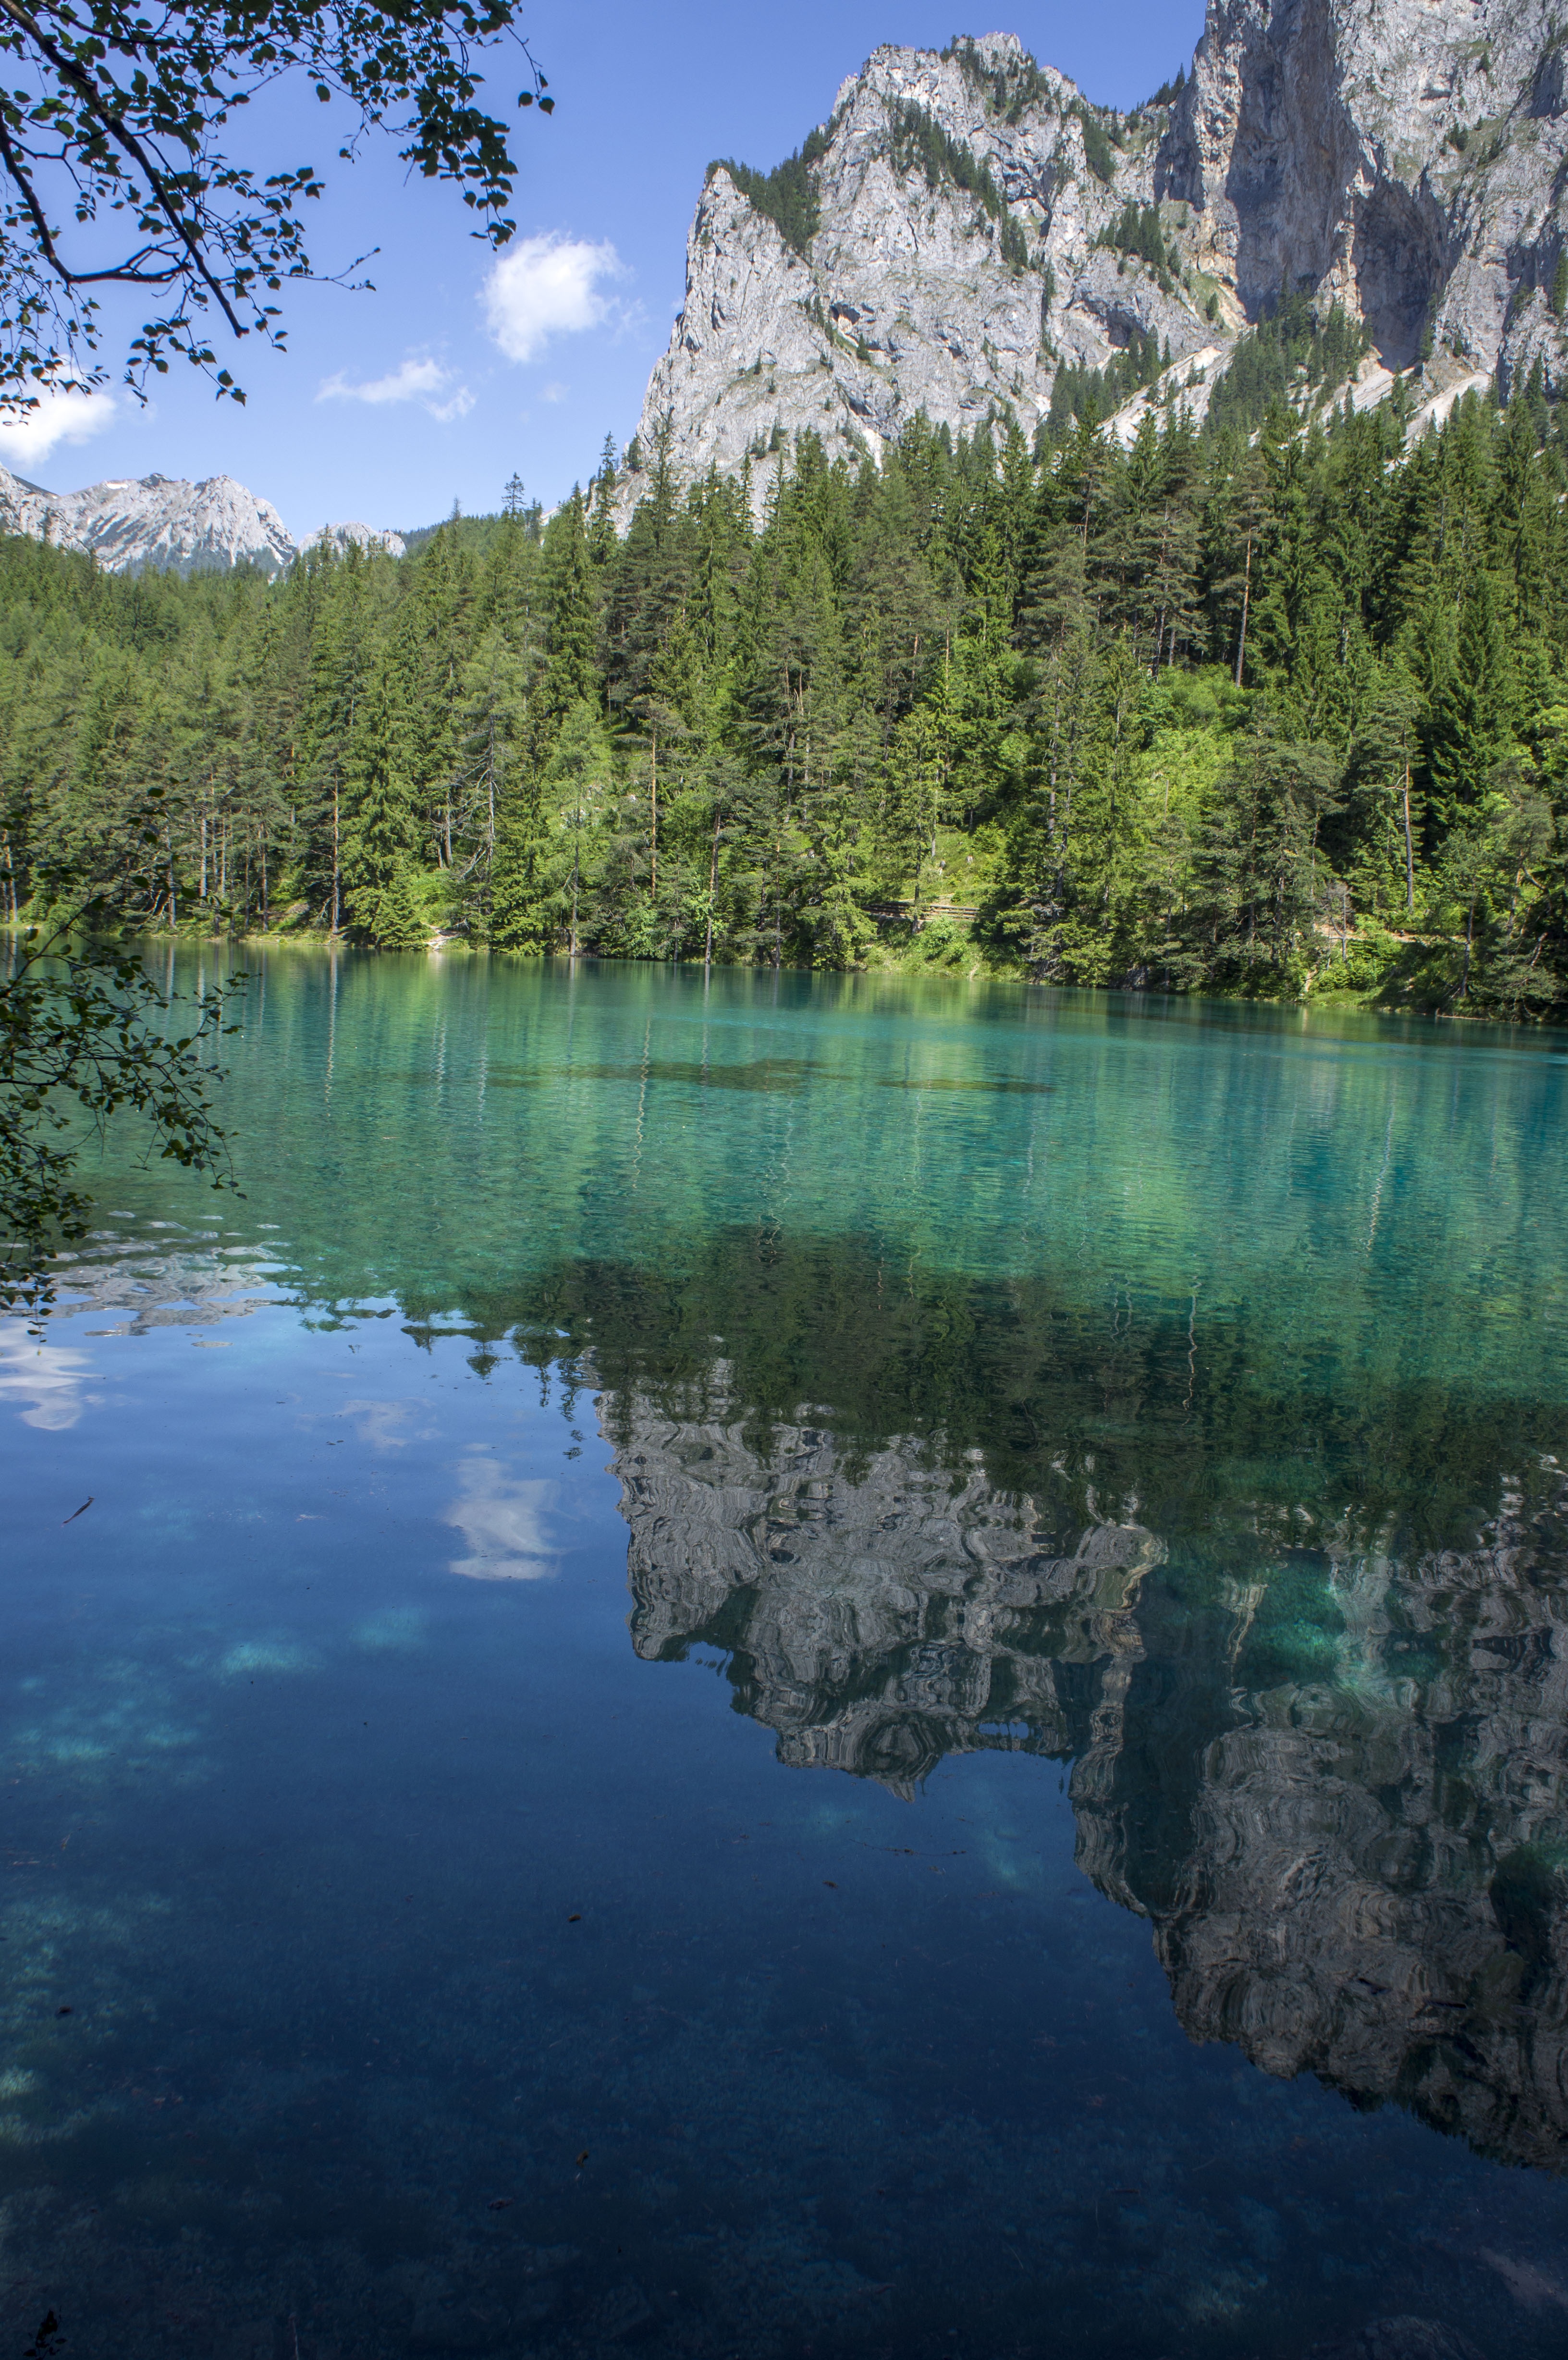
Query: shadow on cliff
pixel 1300 197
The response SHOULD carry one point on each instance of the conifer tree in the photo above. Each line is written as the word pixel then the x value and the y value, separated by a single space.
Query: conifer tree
pixel 381 836
pixel 1471 730
pixel 1199 713
pixel 570 607
pixel 393 921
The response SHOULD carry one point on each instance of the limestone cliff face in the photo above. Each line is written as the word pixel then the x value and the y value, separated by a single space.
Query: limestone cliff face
pixel 1405 157
pixel 883 1617
pixel 906 297
pixel 162 522
pixel 1373 1887
pixel 1354 1868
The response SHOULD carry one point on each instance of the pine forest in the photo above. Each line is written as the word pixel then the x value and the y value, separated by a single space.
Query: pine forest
pixel 1263 708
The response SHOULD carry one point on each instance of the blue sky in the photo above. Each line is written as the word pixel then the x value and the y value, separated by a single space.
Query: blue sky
pixel 390 406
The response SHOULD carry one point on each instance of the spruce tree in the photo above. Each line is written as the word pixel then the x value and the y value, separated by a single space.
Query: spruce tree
pixel 571 616
pixel 394 922
pixel 381 836
pixel 1192 713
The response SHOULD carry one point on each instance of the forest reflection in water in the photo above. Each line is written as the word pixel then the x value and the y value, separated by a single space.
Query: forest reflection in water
pixel 1305 1660
pixel 1069 1429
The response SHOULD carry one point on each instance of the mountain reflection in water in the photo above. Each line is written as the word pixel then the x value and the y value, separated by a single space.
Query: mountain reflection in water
pixel 1128 1432
pixel 1312 1695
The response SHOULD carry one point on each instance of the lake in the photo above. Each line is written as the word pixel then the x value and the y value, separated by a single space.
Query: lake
pixel 834 1666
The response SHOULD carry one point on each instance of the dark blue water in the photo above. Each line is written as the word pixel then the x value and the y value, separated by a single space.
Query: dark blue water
pixel 852 1670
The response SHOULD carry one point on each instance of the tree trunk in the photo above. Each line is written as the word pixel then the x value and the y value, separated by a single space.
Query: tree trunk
pixel 1469 944
pixel 576 859
pixel 1246 602
pixel 1409 857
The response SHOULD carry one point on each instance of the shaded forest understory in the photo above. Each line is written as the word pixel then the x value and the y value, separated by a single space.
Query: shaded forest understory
pixel 1266 712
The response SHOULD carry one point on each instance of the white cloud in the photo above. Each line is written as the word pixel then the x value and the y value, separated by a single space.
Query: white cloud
pixel 554 392
pixel 49 1378
pixel 545 286
pixel 26 439
pixel 379 1423
pixel 502 1521
pixel 424 381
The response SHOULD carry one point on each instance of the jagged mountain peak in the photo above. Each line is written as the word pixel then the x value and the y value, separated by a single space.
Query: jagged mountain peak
pixel 959 246
pixel 132 524
pixel 965 226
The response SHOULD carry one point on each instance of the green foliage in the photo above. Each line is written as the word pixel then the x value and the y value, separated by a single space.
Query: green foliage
pixel 1013 244
pixel 787 194
pixel 85 1034
pixel 917 143
pixel 392 918
pixel 1138 230
pixel 1169 92
pixel 1295 348
pixel 1262 712
pixel 1559 296
pixel 121 131
pixel 381 833
pixel 1079 391
pixel 476 533
pixel 1097 151
pixel 1009 88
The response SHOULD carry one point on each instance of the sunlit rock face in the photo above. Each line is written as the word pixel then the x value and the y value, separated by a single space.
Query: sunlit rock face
pixel 1334 1786
pixel 1403 158
pixel 905 300
pixel 162 523
pixel 155 521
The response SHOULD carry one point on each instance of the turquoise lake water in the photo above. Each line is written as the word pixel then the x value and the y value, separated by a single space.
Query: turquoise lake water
pixel 796 1667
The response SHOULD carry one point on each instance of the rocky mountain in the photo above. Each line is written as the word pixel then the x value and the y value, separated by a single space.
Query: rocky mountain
pixel 1338 1791
pixel 134 525
pixel 965 225
pixel 943 258
pixel 881 1608
pixel 337 537
pixel 1404 157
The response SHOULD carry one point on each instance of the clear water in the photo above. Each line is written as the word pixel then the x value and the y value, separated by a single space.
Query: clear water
pixel 797 1668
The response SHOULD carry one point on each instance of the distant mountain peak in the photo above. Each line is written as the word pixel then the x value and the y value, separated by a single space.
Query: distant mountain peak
pixel 133 524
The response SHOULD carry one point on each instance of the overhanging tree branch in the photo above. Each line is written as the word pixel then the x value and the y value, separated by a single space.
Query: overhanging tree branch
pixel 133 115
